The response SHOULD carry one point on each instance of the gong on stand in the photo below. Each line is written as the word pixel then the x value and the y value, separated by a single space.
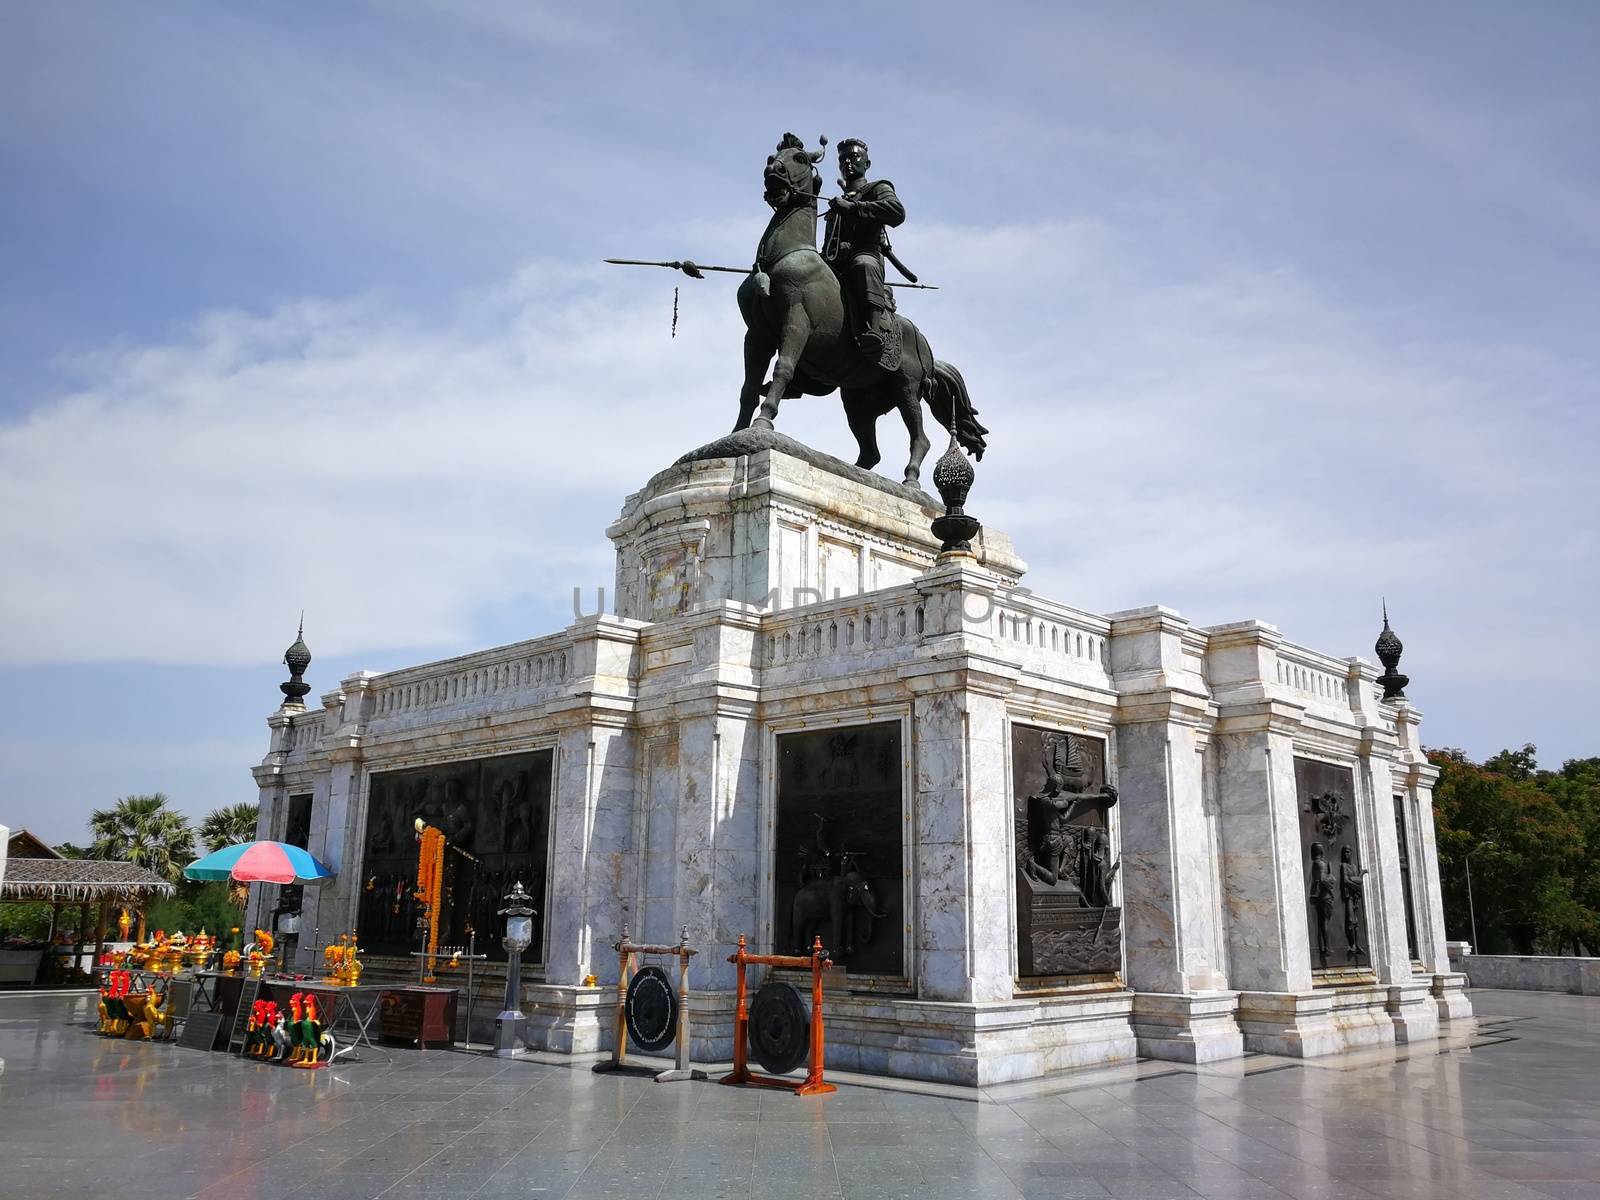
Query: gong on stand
pixel 776 1028
pixel 649 1011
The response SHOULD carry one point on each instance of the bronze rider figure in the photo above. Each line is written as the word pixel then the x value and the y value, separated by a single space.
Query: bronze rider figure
pixel 853 246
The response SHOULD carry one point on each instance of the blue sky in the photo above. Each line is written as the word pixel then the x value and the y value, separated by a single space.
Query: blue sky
pixel 1272 309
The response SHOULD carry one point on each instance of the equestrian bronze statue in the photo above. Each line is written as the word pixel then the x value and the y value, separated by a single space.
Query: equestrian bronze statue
pixel 793 309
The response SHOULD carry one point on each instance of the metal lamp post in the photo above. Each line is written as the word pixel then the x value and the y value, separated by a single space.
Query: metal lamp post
pixel 510 1025
pixel 1472 910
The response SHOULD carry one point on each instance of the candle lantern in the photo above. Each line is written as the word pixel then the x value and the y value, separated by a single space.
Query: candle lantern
pixel 510 1025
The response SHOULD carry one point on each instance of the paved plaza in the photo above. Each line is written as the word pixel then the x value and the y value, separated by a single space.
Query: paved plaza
pixel 1507 1114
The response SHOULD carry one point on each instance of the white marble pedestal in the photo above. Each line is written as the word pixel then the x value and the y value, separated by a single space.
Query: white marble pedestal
pixel 763 589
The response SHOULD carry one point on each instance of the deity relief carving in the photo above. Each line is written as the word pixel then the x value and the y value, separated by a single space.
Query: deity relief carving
pixel 839 846
pixel 1066 921
pixel 1329 809
pixel 835 899
pixel 1335 879
pixel 495 809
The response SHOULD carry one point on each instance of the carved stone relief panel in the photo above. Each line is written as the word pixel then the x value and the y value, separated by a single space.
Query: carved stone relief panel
pixel 1336 891
pixel 671 573
pixel 297 823
pixel 1066 921
pixel 1402 836
pixel 841 567
pixel 839 851
pixel 495 809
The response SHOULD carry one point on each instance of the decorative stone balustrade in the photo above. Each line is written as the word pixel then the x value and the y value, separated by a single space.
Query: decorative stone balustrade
pixel 1052 639
pixel 1320 679
pixel 507 677
pixel 844 631
pixel 841 635
pixel 304 732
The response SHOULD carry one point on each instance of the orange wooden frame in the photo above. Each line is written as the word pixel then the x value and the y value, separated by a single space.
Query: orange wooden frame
pixel 813 1084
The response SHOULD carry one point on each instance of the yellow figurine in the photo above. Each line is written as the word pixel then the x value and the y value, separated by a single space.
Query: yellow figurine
pixel 259 952
pixel 340 961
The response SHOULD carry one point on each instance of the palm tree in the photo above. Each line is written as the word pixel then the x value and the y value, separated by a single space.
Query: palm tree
pixel 229 825
pixel 144 831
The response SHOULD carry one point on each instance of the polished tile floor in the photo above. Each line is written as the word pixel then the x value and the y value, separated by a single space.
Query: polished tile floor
pixel 1512 1113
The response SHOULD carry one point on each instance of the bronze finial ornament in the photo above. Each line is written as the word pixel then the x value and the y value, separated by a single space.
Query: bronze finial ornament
pixel 1388 648
pixel 297 658
pixel 953 476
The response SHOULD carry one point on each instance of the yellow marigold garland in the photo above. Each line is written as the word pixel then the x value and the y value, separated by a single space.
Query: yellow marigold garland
pixel 430 888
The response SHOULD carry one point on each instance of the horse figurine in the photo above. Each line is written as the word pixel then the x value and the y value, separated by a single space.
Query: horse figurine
pixel 793 308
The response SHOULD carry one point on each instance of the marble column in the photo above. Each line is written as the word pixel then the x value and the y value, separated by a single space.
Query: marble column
pixel 961 828
pixel 1410 1002
pixel 1269 947
pixel 1182 1008
pixel 961 793
pixel 1419 776
pixel 591 860
pixel 713 860
pixel 338 817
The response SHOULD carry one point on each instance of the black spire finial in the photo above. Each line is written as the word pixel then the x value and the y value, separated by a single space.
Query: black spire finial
pixel 1389 647
pixel 297 658
pixel 953 476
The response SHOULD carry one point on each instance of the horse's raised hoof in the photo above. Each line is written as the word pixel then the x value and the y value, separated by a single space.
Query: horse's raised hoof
pixel 761 423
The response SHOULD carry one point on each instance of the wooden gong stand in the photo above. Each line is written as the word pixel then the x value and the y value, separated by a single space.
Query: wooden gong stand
pixel 813 1084
pixel 626 950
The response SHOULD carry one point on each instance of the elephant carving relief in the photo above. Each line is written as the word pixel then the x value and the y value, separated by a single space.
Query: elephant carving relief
pixel 840 908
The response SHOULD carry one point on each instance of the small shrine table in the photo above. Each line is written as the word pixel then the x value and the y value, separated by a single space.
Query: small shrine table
pixel 425 1016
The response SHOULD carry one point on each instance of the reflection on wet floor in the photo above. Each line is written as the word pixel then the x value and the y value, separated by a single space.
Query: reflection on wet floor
pixel 1504 1110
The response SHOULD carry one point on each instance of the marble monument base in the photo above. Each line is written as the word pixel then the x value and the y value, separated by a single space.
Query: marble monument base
pixel 1450 997
pixel 970 1045
pixel 1313 1023
pixel 1192 1028
pixel 797 687
pixel 1412 1009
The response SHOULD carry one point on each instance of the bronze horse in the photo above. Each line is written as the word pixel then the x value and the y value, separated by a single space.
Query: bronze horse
pixel 793 309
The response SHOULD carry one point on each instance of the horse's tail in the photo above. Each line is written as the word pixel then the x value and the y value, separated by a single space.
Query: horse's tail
pixel 952 407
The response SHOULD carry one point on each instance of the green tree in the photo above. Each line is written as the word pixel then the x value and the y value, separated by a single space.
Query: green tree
pixel 24 920
pixel 229 825
pixel 144 831
pixel 1576 788
pixel 207 906
pixel 1526 837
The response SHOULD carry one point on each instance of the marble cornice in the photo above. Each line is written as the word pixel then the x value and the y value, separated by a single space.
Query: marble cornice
pixel 342 747
pixel 1074 700
pixel 957 673
pixel 1156 618
pixel 1379 742
pixel 1168 705
pixel 592 707
pixel 1419 774
pixel 1047 710
pixel 1264 715
pixel 1243 633
pixel 782 704
pixel 605 627
pixel 709 700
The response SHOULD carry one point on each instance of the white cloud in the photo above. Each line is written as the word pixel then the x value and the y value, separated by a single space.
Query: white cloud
pixel 1228 441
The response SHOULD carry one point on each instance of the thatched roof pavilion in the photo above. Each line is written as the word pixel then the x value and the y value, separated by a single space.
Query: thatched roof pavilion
pixel 32 871
pixel 80 881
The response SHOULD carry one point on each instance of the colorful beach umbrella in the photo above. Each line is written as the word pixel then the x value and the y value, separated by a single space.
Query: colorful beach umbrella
pixel 259 862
